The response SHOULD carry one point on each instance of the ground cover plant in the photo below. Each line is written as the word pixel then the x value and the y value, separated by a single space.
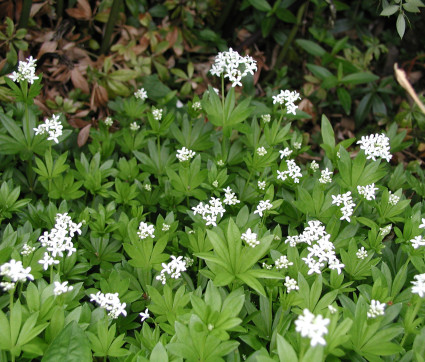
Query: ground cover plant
pixel 204 223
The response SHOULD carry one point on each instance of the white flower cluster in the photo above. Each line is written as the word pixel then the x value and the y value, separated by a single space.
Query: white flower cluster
pixel 313 327
pixel 134 127
pixel 361 253
pixel 263 206
pixel 61 288
pixel 349 205
pixel 111 302
pixel 26 71
pixel 210 211
pixel 261 151
pixel 314 166
pixel 215 183
pixel 288 98
pixel 250 238
pixel 185 154
pixel 27 250
pixel 267 266
pixel 52 126
pixel 285 153
pixel 230 197
pixel 266 118
pixel 367 191
pixel 290 284
pixel 59 239
pixel 385 230
pixel 326 176
pixel 419 285
pixel 393 199
pixel 376 309
pixel 145 230
pixel 321 249
pixel 174 269
pixel 109 121
pixel 417 242
pixel 293 172
pixel 15 271
pixel 157 114
pixel 141 94
pixel 282 262
pixel 261 185
pixel 376 145
pixel 230 63
pixel 196 106
pixel 165 227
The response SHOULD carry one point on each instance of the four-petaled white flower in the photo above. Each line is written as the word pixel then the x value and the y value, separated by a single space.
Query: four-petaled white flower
pixel 263 206
pixel 376 309
pixel 288 98
pixel 313 327
pixel 285 153
pixel 61 288
pixel 145 315
pixel 261 185
pixel 141 94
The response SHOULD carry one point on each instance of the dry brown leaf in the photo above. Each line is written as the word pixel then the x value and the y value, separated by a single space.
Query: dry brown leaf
pixel 99 97
pixel 79 81
pixel 400 75
pixel 47 47
pixel 35 8
pixel 82 11
pixel 83 135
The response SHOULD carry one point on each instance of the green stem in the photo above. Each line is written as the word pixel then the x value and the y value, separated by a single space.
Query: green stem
pixel 288 42
pixel 113 17
pixel 11 292
pixel 59 8
pixel 25 14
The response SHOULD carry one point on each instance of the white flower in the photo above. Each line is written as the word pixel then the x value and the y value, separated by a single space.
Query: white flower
pixel 144 315
pixel 266 118
pixel 376 309
pixel 6 286
pixel 233 66
pixel 174 269
pixel 290 284
pixel 52 126
pixel 147 187
pixel 230 197
pixel 297 145
pixel 157 114
pixel 110 302
pixel 27 250
pixel 141 94
pixel 376 146
pixel 210 211
pixel 261 151
pixel 288 98
pixel 419 285
pixel 215 183
pixel 26 71
pixel 293 172
pixel 188 261
pixel 165 227
pixel 361 253
pixel 263 206
pixel 185 154
pixel 285 153
pixel 282 262
pixel 61 288
pixel 134 126
pixel 267 266
pixel 314 165
pixel 15 271
pixel 417 241
pixel 196 106
pixel 261 185
pixel 422 226
pixel 108 121
pixel 313 327
pixel 334 263
pixel 325 177
pixel 348 208
pixel 145 230
pixel 250 238
pixel 220 163
pixel 385 230
pixel 367 191
pixel 47 261
pixel 393 199
pixel 332 309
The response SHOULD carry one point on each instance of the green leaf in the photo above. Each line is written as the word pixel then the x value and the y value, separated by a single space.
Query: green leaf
pixel 261 5
pixel 359 78
pixel 320 72
pixel 311 47
pixel 345 99
pixel 71 345
pixel 389 10
pixel 285 351
pixel 327 131
pixel 401 25
pixel 159 353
